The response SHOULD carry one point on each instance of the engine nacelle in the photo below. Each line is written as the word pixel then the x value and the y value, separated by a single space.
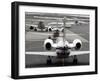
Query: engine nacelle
pixel 49 28
pixel 48 44
pixel 77 44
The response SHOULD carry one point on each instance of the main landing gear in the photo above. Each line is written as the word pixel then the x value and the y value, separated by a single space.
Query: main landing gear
pixel 49 60
pixel 75 59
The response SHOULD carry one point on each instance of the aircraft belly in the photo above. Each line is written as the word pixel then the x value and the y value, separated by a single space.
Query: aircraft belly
pixel 62 53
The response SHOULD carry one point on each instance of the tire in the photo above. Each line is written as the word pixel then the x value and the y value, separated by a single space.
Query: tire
pixel 50 30
pixel 35 29
pixel 49 62
pixel 75 61
pixel 31 27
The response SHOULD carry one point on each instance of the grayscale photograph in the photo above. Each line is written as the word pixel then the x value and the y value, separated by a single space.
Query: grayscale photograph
pixel 56 39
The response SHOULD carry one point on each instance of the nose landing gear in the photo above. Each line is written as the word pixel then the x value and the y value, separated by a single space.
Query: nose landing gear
pixel 49 60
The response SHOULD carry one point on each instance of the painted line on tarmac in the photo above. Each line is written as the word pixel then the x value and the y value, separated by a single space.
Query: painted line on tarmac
pixel 75 36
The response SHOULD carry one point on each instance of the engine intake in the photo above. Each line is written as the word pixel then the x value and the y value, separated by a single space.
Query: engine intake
pixel 77 44
pixel 48 44
pixel 50 29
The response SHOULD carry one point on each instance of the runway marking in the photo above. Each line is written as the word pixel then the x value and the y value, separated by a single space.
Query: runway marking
pixel 38 36
pixel 76 36
pixel 50 34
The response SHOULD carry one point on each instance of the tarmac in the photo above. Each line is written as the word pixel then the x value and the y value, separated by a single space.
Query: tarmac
pixel 34 42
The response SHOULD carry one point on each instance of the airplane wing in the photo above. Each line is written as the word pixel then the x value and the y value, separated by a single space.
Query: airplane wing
pixel 79 53
pixel 42 53
pixel 54 53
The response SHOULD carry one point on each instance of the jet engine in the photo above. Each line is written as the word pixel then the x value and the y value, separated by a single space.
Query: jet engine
pixel 49 28
pixel 48 44
pixel 77 44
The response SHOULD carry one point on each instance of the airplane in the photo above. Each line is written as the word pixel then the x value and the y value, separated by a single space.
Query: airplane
pixel 47 28
pixel 63 49
pixel 34 27
pixel 69 22
pixel 41 27
pixel 55 25
pixel 38 29
pixel 59 26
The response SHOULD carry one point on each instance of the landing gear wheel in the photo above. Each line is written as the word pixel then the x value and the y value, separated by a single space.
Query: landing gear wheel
pixel 35 29
pixel 31 27
pixel 75 60
pixel 50 30
pixel 49 61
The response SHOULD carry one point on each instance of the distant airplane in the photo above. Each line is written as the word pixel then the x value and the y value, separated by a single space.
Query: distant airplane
pixel 59 25
pixel 53 26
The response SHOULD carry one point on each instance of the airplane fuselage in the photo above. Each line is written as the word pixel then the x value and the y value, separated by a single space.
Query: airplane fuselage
pixel 63 52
